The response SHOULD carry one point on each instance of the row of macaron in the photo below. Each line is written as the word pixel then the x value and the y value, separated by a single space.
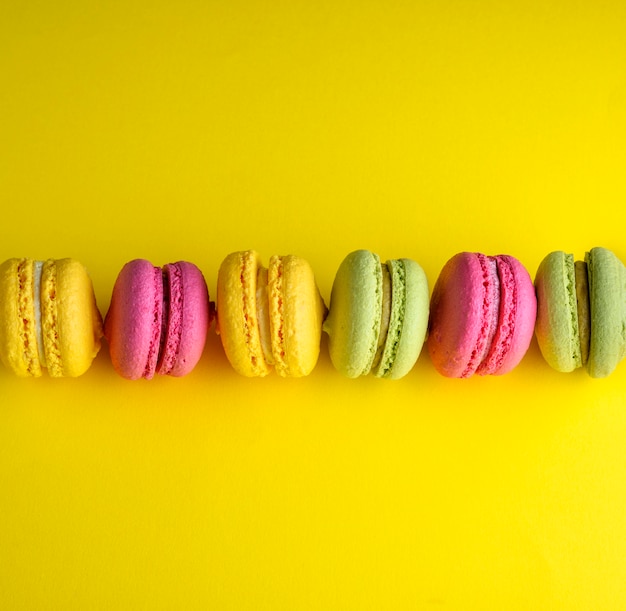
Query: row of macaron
pixel 479 319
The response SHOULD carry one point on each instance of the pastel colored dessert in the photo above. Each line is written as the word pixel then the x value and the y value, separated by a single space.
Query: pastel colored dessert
pixel 483 312
pixel 158 319
pixel 269 318
pixel 48 317
pixel 581 317
pixel 378 316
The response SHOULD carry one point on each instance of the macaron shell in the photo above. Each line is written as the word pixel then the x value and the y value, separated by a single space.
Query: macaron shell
pixel 607 292
pixel 132 325
pixel 79 323
pixel 460 315
pixel 353 321
pixel 556 327
pixel 18 344
pixel 409 319
pixel 237 322
pixel 188 319
pixel 297 311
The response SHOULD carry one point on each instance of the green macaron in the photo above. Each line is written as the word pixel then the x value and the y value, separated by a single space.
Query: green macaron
pixel 378 316
pixel 581 311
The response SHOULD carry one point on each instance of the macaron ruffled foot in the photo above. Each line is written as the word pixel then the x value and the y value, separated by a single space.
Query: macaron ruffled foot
pixel 482 315
pixel 581 316
pixel 158 319
pixel 48 317
pixel 269 318
pixel 378 316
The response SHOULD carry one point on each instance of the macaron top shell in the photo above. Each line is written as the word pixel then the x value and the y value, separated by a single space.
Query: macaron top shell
pixel 354 316
pixel 556 328
pixel 132 325
pixel 237 313
pixel 461 315
pixel 48 317
pixel 483 312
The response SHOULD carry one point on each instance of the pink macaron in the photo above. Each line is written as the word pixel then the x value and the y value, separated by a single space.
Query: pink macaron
pixel 158 319
pixel 482 315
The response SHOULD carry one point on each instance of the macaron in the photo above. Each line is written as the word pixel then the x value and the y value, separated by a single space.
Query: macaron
pixel 581 316
pixel 483 310
pixel 48 317
pixel 158 319
pixel 378 316
pixel 269 318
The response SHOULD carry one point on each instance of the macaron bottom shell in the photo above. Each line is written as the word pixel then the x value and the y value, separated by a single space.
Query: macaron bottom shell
pixel 607 308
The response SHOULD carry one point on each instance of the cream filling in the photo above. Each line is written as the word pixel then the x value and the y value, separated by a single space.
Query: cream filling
pixel 263 315
pixel 276 305
pixel 385 318
pixel 582 308
pixel 37 271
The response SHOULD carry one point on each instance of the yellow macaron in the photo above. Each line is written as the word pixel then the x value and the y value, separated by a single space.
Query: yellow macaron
pixel 48 317
pixel 269 317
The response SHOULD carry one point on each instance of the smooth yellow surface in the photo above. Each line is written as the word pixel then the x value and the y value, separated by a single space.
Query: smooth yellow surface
pixel 190 130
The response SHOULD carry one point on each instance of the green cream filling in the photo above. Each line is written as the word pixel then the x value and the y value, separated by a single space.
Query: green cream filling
pixel 570 287
pixel 376 323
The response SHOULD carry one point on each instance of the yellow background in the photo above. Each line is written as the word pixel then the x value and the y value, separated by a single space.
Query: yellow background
pixel 187 130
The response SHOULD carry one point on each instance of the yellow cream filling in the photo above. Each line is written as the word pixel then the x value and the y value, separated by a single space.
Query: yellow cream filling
pixel 263 315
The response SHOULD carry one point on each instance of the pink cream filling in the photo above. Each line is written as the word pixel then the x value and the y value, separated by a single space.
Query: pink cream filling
pixel 172 322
